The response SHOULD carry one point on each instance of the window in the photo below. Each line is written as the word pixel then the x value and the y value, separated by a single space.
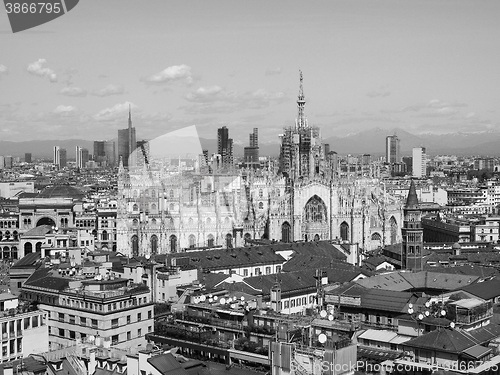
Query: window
pixel 72 319
pixel 72 335
pixel 245 272
pixel 287 304
pixel 150 329
pixel 129 335
pixel 61 332
pixel 139 332
pixel 278 269
pixel 114 339
pixel 128 319
pixel 150 314
pixel 61 317
pixel 26 323
pixel 139 318
pixel 304 300
pixel 94 323
pixel 257 271
pixel 34 322
pixel 114 323
pixel 268 270
pixel 292 303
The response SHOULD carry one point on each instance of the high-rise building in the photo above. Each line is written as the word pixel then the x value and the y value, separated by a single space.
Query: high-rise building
pixel 57 156
pixel 8 161
pixel 27 157
pixel 2 161
pixel 104 152
pixel 126 141
pixel 251 153
pixel 99 153
pixel 63 158
pixel 301 152
pixel 419 162
pixel 392 149
pixel 79 161
pixel 142 153
pixel 413 233
pixel 225 146
pixel 85 156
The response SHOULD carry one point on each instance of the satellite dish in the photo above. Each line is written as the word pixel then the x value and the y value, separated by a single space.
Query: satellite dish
pixel 222 301
pixel 203 298
pixel 210 300
pixel 210 295
pixel 148 256
pixel 91 339
pixel 323 314
pixel 322 338
pixel 427 313
pixel 443 312
pixel 233 306
pixel 420 316
pixel 427 304
pixel 330 318
pixel 410 311
pixel 452 325
pixel 216 298
pixel 410 306
pixel 242 298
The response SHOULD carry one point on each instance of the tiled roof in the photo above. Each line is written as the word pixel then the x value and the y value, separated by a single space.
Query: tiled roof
pixel 167 364
pixel 41 230
pixel 27 261
pixel 387 281
pixel 485 290
pixel 485 334
pixel 226 258
pixel 443 340
pixel 61 191
pixel 466 269
pixel 43 278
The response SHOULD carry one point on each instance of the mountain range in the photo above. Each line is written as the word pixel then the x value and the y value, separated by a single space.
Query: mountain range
pixel 370 141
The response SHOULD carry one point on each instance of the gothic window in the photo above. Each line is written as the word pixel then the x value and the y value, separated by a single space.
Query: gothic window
pixel 135 207
pixel 209 221
pixel 376 237
pixel 285 232
pixel 315 210
pixel 104 235
pixel 153 221
pixel 135 222
pixel 135 245
pixel 154 244
pixel 261 193
pixel 229 240
pixel 316 237
pixel 394 230
pixel 261 205
pixel 171 207
pixel 344 231
pixel 247 237
pixel 173 243
pixel 210 240
pixel 192 241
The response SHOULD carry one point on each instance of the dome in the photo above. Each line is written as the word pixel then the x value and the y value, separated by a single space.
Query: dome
pixel 61 191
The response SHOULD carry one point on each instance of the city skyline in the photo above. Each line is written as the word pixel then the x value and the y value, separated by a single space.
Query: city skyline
pixel 422 66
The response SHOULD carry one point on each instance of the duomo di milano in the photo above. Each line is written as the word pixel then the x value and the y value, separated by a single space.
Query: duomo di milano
pixel 170 201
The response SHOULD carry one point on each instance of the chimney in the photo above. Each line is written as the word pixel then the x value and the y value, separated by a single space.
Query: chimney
pixel 92 361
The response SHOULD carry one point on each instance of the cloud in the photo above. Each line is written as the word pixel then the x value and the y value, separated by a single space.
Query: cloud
pixel 171 74
pixel 273 71
pixel 118 111
pixel 64 109
pixel 73 91
pixel 3 69
pixel 38 68
pixel 109 90
pixel 378 94
pixel 215 99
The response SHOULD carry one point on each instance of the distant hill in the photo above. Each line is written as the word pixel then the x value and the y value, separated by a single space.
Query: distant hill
pixel 370 141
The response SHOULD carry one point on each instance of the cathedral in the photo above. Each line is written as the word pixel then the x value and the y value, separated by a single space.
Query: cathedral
pixel 175 205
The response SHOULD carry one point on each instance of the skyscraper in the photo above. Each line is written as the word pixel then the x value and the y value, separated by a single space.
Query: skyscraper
pixel 392 149
pixel 225 146
pixel 27 157
pixel 79 160
pixel 63 158
pixel 57 156
pixel 126 141
pixel 419 163
pixel 251 153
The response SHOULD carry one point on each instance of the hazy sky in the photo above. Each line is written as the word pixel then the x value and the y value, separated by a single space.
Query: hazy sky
pixel 425 66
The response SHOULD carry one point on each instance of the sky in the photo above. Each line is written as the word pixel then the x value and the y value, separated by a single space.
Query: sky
pixel 425 66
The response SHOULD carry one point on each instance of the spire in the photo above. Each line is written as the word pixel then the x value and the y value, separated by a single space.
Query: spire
pixel 129 116
pixel 412 200
pixel 301 102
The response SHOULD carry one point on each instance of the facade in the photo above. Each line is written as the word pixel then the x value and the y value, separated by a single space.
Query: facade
pixel 24 329
pixel 392 149
pixel 419 162
pixel 80 305
pixel 225 147
pixel 161 211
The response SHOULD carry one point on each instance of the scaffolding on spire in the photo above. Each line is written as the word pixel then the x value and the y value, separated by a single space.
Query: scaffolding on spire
pixel 301 121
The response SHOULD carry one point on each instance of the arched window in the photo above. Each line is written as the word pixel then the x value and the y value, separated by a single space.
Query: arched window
pixel 38 247
pixel 316 237
pixel 104 235
pixel 153 207
pixel 171 207
pixel 135 245
pixel 376 237
pixel 135 207
pixel 315 210
pixel 15 235
pixel 6 252
pixel 344 231
pixel 190 221
pixel 210 240
pixel 192 241
pixel 28 248
pixel 13 252
pixel 247 238
pixel 229 240
pixel 135 222
pixel 173 243
pixel 154 244
pixel 261 205
pixel 171 194
pixel 285 232
pixel 227 221
pixel 209 221
pixel 153 221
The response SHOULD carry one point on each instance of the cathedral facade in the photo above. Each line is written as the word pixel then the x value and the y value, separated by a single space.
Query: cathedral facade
pixel 164 209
